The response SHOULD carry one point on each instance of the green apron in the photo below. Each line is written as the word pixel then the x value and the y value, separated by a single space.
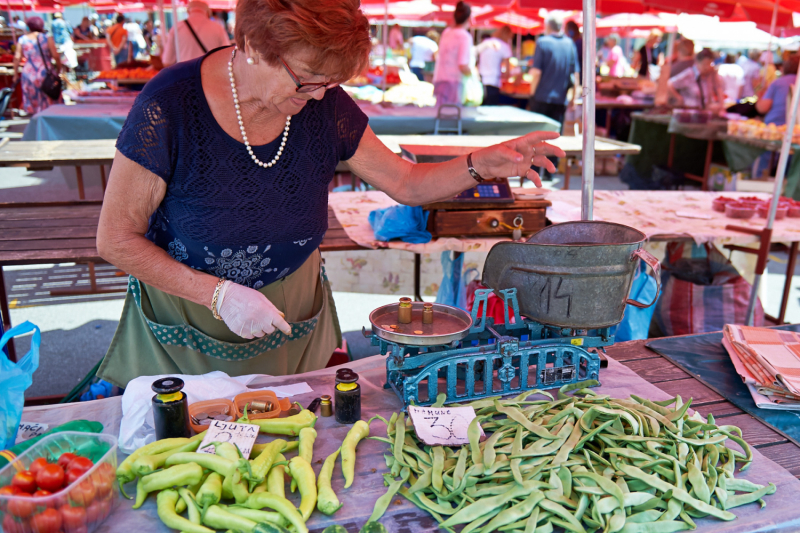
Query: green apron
pixel 162 334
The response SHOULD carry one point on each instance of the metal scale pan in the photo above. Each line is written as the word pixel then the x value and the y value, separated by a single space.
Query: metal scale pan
pixel 449 324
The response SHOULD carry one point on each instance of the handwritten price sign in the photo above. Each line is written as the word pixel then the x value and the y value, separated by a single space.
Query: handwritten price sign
pixel 445 426
pixel 241 435
pixel 29 430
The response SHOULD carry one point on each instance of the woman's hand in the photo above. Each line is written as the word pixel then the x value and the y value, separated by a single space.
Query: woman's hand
pixel 517 156
pixel 248 313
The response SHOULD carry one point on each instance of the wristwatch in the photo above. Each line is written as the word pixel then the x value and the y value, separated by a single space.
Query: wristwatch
pixel 472 172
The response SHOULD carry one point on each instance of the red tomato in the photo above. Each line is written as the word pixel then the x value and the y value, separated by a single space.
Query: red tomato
pixel 65 459
pixel 37 465
pixel 41 493
pixel 21 506
pixel 51 478
pixel 107 471
pixel 73 518
pixel 83 494
pixel 94 511
pixel 81 464
pixel 48 521
pixel 72 476
pixel 24 481
pixel 9 490
pixel 103 486
pixel 10 525
pixel 105 509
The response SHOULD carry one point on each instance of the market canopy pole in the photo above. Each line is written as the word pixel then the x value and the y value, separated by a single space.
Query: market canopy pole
pixel 385 37
pixel 588 68
pixel 773 24
pixel 766 235
pixel 175 25
pixel 163 20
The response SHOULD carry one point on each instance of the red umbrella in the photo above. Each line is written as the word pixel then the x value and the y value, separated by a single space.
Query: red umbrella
pixel 758 11
pixel 603 6
pixel 518 23
pixel 625 23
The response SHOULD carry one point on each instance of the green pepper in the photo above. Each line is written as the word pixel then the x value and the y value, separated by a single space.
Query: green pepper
pixel 125 472
pixel 291 425
pixel 306 450
pixel 148 464
pixel 276 478
pixel 215 463
pixel 218 518
pixel 210 492
pixel 282 505
pixel 166 512
pixel 191 505
pixel 178 475
pixel 256 515
pixel 327 502
pixel 303 474
pixel 260 465
pixel 359 431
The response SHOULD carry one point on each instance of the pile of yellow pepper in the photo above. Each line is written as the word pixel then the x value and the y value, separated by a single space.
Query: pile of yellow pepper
pixel 198 483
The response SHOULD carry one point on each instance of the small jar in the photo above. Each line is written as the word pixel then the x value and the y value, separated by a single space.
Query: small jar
pixel 347 397
pixel 427 313
pixel 170 409
pixel 404 311
pixel 325 406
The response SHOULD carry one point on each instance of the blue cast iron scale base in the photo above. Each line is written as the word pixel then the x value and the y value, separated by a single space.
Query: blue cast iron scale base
pixel 493 359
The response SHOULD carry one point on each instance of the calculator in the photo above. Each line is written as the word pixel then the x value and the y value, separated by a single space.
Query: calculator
pixel 490 191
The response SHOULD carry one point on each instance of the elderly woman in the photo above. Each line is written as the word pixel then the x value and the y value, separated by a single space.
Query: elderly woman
pixel 217 201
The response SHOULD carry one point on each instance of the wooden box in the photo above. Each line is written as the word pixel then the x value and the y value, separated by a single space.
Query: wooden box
pixel 461 219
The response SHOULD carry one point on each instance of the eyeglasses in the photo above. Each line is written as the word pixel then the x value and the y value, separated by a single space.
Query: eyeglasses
pixel 306 87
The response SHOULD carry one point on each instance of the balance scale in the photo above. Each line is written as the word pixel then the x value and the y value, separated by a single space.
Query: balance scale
pixel 573 281
pixel 476 357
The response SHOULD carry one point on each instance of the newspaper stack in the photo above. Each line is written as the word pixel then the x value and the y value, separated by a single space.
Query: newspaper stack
pixel 768 361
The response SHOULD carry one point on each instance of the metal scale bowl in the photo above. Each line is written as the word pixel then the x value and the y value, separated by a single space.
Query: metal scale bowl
pixel 558 273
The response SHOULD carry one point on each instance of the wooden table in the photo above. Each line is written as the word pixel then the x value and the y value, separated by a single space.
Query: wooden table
pixel 44 155
pixel 610 104
pixel 673 380
pixel 65 232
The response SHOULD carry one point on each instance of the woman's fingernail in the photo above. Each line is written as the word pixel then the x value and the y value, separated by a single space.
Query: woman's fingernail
pixel 519 157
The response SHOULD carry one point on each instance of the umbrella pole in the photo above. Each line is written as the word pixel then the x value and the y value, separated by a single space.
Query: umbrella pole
pixel 776 194
pixel 385 45
pixel 175 25
pixel 162 33
pixel 773 24
pixel 588 72
pixel 519 47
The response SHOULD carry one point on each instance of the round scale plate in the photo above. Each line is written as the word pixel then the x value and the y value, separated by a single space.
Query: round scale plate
pixel 449 324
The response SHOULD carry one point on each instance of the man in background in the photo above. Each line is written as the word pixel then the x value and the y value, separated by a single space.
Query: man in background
pixel 197 35
pixel 396 40
pixel 732 76
pixel 555 69
pixel 423 51
pixel 117 38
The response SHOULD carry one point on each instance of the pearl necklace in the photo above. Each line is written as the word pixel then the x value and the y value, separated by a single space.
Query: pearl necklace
pixel 241 122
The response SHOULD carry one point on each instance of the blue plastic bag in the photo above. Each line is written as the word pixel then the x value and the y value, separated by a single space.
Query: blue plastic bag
pixel 400 222
pixel 450 288
pixel 636 323
pixel 15 378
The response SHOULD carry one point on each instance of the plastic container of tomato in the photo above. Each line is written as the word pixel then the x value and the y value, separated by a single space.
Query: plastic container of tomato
pixel 737 210
pixel 794 210
pixel 719 203
pixel 780 212
pixel 81 506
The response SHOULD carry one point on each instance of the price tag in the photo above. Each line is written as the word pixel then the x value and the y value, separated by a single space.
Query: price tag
pixel 29 430
pixel 442 425
pixel 241 435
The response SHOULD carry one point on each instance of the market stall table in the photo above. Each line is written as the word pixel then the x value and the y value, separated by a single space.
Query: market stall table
pixel 628 104
pixel 77 122
pixel 65 232
pixel 657 379
pixel 104 121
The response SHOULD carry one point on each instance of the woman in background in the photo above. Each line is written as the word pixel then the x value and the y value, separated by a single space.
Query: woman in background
pixel 40 52
pixel 454 58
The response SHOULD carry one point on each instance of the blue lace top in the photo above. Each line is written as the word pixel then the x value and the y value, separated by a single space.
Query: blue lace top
pixel 222 213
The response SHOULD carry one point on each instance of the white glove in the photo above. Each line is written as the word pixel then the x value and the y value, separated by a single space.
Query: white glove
pixel 248 313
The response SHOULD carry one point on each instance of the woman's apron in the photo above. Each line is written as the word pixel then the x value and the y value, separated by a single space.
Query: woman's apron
pixel 162 334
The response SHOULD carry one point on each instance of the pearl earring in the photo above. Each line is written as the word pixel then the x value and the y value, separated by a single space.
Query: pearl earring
pixel 251 61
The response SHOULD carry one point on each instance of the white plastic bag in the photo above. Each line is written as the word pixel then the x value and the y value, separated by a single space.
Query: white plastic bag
pixel 137 427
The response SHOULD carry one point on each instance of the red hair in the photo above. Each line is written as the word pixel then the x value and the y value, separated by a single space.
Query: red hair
pixel 336 31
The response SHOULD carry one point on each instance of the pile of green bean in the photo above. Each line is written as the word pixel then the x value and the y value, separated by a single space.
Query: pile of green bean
pixel 585 462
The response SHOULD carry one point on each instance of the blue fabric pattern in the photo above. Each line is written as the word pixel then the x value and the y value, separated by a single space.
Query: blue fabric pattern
pixel 222 214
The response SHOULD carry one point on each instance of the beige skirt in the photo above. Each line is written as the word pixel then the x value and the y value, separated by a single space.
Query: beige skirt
pixel 162 334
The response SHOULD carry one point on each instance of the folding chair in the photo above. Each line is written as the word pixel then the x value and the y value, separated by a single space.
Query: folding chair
pixel 450 114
